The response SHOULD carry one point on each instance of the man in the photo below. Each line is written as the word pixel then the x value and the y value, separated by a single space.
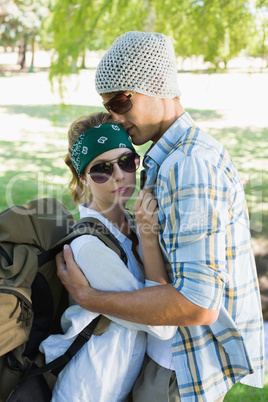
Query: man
pixel 204 231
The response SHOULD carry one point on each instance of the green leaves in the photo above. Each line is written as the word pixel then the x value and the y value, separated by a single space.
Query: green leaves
pixel 22 19
pixel 216 29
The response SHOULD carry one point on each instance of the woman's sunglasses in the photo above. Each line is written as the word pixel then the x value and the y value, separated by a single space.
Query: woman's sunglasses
pixel 120 103
pixel 101 172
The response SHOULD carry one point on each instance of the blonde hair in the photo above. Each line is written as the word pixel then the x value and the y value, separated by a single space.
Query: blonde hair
pixel 78 191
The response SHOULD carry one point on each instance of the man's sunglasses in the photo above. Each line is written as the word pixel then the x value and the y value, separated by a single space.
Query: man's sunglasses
pixel 101 172
pixel 120 103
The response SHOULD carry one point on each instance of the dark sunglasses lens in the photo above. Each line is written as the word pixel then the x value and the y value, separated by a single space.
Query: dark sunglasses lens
pixel 119 104
pixel 129 163
pixel 101 172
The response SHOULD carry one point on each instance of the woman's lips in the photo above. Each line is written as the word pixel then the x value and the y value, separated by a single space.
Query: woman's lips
pixel 121 190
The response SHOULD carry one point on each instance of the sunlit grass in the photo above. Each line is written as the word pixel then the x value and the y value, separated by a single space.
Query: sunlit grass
pixel 244 393
pixel 32 156
pixel 32 159
pixel 248 148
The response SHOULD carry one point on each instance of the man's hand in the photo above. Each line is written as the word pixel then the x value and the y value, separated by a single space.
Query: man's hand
pixel 71 275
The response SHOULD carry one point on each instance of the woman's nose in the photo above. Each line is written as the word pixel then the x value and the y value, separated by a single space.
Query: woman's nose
pixel 118 173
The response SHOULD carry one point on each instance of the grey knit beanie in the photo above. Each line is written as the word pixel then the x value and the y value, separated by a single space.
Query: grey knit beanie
pixel 141 62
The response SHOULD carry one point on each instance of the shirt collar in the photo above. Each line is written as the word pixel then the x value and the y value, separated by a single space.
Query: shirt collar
pixel 170 138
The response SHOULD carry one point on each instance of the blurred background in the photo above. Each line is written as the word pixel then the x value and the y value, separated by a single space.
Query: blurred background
pixel 49 50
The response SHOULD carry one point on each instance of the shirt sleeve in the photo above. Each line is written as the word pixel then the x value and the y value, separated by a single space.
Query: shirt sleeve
pixel 194 206
pixel 106 271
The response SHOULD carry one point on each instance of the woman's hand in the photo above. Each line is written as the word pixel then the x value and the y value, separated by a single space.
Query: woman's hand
pixel 146 214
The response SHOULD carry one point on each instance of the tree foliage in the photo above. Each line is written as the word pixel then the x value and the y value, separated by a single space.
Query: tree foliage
pixel 21 22
pixel 216 29
pixel 91 24
pixel 21 19
pixel 259 44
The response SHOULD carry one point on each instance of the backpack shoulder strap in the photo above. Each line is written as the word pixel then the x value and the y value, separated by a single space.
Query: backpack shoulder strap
pixel 85 226
pixel 58 364
pixel 95 227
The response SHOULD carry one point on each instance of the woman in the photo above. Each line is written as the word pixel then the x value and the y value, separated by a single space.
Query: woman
pixel 103 163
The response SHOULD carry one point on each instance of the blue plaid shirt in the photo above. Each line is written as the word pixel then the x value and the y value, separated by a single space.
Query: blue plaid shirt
pixel 205 236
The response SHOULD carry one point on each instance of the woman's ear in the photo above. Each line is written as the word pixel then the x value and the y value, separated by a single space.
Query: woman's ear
pixel 83 180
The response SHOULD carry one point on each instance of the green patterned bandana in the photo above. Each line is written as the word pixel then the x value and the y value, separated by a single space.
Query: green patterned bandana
pixel 97 140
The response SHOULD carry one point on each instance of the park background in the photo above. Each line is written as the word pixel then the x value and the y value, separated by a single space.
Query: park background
pixel 49 50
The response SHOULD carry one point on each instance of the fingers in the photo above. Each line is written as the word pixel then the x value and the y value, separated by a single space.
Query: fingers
pixel 150 204
pixel 70 274
pixel 147 202
pixel 64 260
pixel 138 201
pixel 60 262
pixel 146 214
pixel 68 254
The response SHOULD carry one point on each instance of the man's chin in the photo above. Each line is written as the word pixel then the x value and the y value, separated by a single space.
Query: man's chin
pixel 136 140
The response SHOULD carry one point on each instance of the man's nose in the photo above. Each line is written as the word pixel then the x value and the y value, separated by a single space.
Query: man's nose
pixel 120 118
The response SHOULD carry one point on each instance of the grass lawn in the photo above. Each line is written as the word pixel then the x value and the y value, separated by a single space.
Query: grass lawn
pixel 244 393
pixel 32 164
pixel 31 158
pixel 33 143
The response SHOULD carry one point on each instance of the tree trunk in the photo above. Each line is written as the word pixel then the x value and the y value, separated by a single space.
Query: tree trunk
pixel 225 62
pixel 31 69
pixel 83 61
pixel 22 53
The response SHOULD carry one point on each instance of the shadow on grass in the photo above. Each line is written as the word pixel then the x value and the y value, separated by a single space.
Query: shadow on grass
pixel 19 188
pixel 58 115
pixel 247 147
pixel 62 115
pixel 200 115
pixel 249 151
pixel 249 143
